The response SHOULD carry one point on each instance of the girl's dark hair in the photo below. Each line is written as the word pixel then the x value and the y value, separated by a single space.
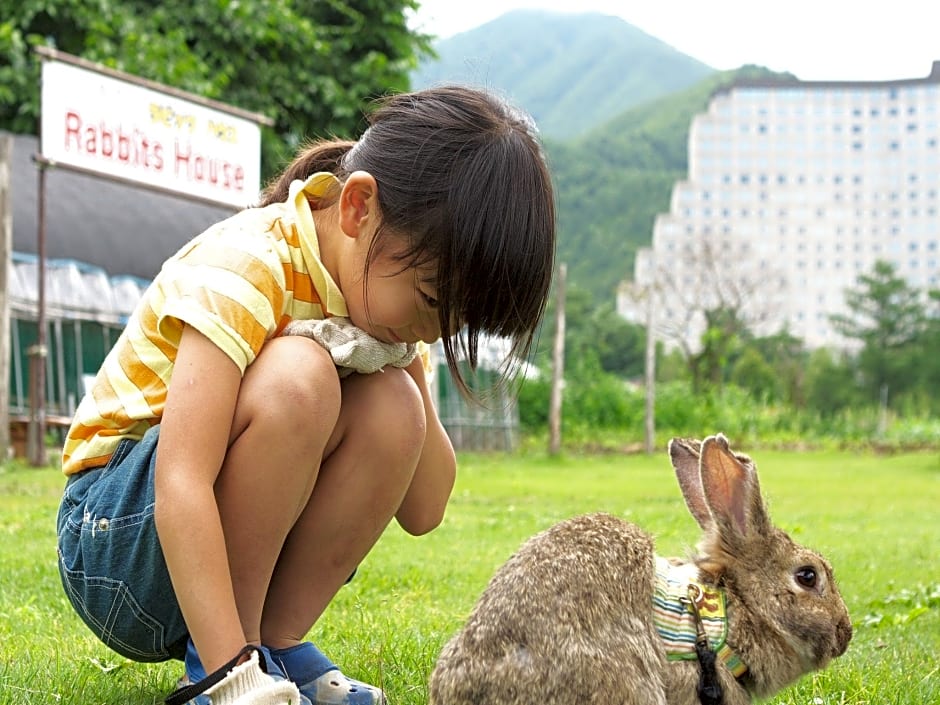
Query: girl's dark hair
pixel 462 176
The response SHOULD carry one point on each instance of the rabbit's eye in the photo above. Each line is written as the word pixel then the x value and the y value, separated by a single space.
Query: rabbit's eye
pixel 806 576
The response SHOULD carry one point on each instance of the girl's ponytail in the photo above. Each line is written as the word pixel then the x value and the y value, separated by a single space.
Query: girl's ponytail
pixel 315 157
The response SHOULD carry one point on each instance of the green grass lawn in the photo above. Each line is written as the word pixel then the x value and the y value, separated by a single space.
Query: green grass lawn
pixel 876 518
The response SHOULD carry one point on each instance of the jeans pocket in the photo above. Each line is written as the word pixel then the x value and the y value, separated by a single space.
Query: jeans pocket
pixel 110 610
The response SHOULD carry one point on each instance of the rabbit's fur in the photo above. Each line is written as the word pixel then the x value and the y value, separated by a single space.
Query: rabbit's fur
pixel 568 619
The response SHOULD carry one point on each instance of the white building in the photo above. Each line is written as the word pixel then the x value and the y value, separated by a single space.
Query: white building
pixel 794 190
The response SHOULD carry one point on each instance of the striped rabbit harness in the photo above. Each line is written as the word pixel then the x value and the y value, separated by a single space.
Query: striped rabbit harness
pixel 680 603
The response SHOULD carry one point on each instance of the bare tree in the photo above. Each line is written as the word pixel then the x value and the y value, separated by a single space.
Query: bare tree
pixel 706 294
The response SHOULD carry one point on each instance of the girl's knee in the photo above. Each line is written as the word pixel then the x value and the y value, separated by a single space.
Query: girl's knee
pixel 387 408
pixel 293 382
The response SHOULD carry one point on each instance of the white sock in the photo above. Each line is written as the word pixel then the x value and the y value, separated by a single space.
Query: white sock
pixel 247 684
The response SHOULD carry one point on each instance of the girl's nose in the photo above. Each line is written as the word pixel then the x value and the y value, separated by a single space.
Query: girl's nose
pixel 428 329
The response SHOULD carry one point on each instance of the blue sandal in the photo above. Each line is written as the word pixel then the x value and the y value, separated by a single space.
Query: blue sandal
pixel 320 680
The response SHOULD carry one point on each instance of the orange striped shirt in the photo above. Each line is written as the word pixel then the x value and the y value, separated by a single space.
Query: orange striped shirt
pixel 238 283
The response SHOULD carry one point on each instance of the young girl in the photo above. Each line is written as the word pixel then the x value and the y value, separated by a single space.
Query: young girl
pixel 224 480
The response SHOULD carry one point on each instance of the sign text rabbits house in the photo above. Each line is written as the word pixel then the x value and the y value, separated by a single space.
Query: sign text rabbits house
pixel 98 121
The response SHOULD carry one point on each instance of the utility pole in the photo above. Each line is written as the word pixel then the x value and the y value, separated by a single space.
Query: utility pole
pixel 649 435
pixel 36 432
pixel 558 364
pixel 644 295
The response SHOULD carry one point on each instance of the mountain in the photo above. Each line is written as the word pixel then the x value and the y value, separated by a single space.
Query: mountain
pixel 571 72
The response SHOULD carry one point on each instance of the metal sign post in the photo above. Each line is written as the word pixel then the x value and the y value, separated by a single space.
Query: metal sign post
pixel 36 432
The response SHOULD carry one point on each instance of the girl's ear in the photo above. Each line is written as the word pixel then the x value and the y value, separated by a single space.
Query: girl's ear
pixel 358 203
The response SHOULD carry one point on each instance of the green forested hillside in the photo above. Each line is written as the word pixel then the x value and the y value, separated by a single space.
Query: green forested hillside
pixel 571 72
pixel 612 181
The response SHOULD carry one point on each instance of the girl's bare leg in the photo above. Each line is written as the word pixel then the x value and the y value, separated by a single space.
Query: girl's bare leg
pixel 367 468
pixel 314 473
pixel 287 410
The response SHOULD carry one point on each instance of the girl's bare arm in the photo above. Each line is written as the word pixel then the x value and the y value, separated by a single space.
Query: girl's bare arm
pixel 423 506
pixel 194 436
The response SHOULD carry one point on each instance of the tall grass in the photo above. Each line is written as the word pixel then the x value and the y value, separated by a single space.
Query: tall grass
pixel 875 517
pixel 604 413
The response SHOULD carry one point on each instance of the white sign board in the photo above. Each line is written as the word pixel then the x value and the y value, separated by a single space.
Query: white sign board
pixel 96 122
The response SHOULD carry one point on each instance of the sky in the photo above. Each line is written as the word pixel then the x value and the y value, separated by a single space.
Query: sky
pixel 843 40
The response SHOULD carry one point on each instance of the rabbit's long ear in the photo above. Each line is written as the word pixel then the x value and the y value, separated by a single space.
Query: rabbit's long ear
pixel 732 491
pixel 685 455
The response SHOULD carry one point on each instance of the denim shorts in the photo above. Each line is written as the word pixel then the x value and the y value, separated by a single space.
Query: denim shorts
pixel 110 559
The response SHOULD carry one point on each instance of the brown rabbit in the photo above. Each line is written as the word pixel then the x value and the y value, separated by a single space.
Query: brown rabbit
pixel 570 618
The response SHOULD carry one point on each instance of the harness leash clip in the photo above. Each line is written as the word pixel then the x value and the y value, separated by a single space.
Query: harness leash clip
pixel 709 689
pixel 696 595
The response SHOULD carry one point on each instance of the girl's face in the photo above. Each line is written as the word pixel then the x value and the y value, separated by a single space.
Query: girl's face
pixel 396 305
pixel 391 302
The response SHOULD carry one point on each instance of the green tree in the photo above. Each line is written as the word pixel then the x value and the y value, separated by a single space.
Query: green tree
pixel 886 316
pixel 593 329
pixel 310 65
pixel 671 365
pixel 830 383
pixel 621 345
pixel 753 373
pixel 720 342
pixel 926 361
pixel 786 355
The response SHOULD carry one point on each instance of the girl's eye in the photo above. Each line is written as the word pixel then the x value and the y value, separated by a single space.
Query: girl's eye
pixel 429 300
